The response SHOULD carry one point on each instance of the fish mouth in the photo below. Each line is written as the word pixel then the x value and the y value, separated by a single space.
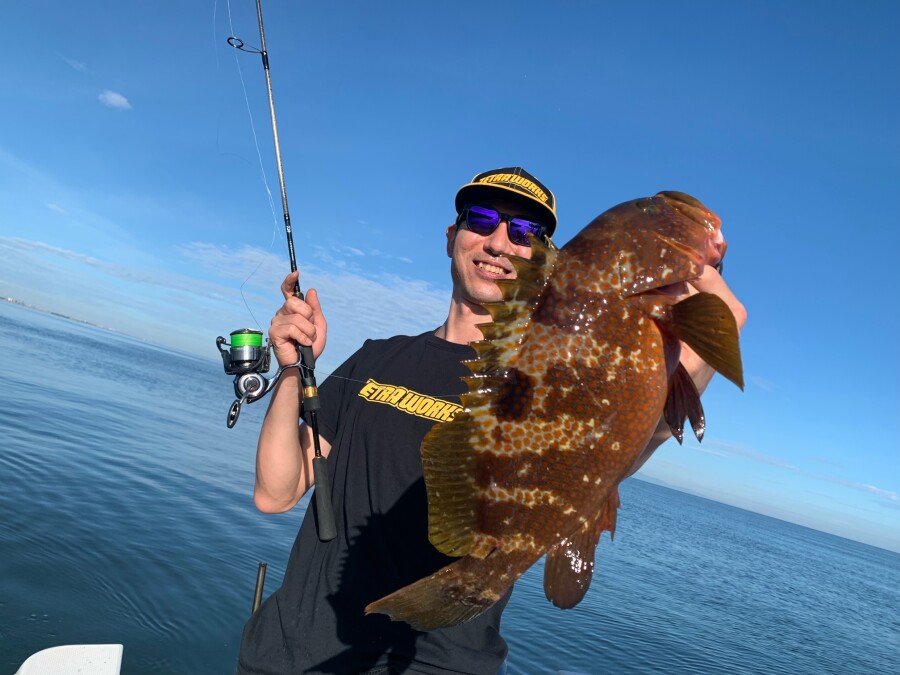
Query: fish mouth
pixel 676 289
pixel 692 208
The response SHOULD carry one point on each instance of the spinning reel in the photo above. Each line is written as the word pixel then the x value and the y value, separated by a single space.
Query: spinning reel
pixel 248 360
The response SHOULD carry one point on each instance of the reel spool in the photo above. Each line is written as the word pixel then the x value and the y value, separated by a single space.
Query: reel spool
pixel 247 360
pixel 246 353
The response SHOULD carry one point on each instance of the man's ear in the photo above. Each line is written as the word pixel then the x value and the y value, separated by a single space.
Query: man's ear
pixel 451 238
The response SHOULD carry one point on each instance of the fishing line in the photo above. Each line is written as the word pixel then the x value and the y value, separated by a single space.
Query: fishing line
pixel 239 44
pixel 267 253
pixel 246 357
pixel 275 224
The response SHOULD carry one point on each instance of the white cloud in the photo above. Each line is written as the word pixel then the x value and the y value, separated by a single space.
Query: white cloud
pixel 57 208
pixel 80 66
pixel 237 263
pixel 335 255
pixel 113 99
pixel 357 306
pixel 761 382
pixel 887 494
pixel 228 289
pixel 724 449
pixel 25 246
pixel 709 451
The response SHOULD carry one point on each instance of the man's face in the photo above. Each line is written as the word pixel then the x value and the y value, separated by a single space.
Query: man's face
pixel 477 261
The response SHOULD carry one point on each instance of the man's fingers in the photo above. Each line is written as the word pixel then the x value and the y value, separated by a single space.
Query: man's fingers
pixel 294 331
pixel 297 322
pixel 294 305
pixel 710 281
pixel 312 299
pixel 289 285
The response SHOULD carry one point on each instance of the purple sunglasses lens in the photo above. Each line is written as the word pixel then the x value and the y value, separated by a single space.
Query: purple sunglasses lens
pixel 482 221
pixel 519 230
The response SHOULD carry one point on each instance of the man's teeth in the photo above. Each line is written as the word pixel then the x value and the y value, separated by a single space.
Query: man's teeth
pixel 493 269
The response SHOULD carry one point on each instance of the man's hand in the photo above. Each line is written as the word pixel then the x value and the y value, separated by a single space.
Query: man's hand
pixel 297 322
pixel 710 281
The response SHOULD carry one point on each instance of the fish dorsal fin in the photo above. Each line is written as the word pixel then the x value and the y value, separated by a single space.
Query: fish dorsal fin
pixel 683 402
pixel 512 316
pixel 705 323
pixel 570 565
pixel 449 450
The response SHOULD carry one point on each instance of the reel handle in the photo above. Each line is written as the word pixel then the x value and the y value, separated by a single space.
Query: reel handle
pixel 233 413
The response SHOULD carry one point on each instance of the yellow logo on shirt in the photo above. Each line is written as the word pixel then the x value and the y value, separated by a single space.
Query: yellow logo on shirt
pixel 410 402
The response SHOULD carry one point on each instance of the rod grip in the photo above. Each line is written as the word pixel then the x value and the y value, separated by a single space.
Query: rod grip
pixel 324 509
pixel 306 353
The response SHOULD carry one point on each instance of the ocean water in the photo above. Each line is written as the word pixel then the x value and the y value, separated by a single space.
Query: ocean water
pixel 126 516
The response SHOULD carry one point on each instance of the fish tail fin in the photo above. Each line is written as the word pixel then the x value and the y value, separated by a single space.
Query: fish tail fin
pixel 445 598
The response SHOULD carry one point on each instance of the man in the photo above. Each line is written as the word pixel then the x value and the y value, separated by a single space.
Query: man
pixel 375 410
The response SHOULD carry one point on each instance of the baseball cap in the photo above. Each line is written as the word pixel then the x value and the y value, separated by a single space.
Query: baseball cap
pixel 516 180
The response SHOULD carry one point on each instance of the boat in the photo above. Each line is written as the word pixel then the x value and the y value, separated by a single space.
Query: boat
pixel 74 660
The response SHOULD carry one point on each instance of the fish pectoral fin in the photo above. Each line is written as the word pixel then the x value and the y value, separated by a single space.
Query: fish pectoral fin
pixel 683 401
pixel 570 564
pixel 705 323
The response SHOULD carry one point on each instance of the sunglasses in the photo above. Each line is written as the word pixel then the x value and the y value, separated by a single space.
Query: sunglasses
pixel 484 221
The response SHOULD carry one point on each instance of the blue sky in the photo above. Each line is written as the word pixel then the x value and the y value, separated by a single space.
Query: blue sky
pixel 132 191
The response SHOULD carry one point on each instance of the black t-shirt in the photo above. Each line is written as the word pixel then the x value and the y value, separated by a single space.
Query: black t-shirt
pixel 376 408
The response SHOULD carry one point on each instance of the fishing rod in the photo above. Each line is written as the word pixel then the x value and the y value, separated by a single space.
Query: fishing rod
pixel 246 357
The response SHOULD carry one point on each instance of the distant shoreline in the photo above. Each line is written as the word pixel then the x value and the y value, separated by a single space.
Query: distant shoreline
pixel 107 329
pixel 22 303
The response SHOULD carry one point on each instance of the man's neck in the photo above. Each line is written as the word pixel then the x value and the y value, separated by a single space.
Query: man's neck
pixel 461 325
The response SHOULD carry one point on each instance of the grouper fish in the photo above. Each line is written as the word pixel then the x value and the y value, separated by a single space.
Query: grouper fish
pixel 577 368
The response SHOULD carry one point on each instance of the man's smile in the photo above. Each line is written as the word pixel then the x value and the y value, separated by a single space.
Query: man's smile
pixel 490 268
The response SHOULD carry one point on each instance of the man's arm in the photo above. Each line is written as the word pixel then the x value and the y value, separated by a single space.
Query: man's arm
pixel 701 373
pixel 285 452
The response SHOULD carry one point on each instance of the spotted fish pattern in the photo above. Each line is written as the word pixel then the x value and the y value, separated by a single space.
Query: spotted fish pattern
pixel 576 369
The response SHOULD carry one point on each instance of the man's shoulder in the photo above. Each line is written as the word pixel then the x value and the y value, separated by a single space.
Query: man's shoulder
pixel 405 351
pixel 394 342
pixel 424 342
pixel 375 352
